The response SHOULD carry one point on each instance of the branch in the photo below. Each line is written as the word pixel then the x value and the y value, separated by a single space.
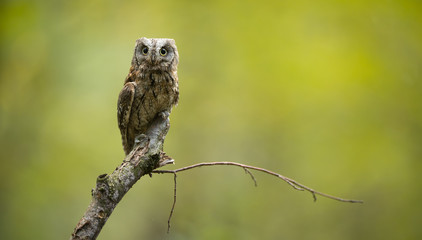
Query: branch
pixel 146 156
pixel 296 185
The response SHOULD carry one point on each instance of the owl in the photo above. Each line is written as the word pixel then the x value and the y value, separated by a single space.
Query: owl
pixel 150 88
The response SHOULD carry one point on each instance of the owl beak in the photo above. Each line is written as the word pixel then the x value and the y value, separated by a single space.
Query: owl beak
pixel 153 58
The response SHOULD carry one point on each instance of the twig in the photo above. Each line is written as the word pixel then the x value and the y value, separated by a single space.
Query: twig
pixel 296 185
pixel 143 159
pixel 174 204
pixel 252 176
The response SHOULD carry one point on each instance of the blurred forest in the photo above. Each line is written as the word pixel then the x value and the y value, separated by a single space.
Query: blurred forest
pixel 326 92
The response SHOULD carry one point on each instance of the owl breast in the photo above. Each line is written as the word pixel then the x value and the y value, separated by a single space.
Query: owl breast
pixel 155 92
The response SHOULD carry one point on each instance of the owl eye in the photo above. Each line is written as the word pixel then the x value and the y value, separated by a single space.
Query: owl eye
pixel 163 52
pixel 144 50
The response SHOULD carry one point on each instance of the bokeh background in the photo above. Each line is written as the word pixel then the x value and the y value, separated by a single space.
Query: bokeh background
pixel 326 92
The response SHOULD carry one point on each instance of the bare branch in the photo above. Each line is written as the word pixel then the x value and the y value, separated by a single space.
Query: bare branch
pixel 296 185
pixel 146 156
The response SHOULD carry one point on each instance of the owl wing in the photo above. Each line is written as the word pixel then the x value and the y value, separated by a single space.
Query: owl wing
pixel 124 106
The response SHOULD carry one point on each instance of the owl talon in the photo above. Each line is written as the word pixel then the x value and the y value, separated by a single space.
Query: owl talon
pixel 164 114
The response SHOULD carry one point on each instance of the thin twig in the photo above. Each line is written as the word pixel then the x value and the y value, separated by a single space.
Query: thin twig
pixel 174 204
pixel 252 176
pixel 296 185
pixel 291 182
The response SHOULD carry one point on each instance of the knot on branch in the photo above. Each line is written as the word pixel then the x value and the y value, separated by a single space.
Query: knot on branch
pixel 102 187
pixel 105 190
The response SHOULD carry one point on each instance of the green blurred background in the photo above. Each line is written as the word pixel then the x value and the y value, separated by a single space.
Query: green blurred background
pixel 326 92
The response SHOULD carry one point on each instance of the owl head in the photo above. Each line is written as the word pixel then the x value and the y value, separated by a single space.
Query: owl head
pixel 156 54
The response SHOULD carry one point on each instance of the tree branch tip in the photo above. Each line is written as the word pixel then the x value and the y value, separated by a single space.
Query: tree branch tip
pixel 350 200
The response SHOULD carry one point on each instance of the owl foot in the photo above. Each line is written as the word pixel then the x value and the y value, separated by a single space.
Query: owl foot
pixel 165 159
pixel 164 114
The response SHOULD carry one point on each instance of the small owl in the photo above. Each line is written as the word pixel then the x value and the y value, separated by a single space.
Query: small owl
pixel 150 88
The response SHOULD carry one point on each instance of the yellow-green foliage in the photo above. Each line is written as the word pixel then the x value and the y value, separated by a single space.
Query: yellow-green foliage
pixel 326 92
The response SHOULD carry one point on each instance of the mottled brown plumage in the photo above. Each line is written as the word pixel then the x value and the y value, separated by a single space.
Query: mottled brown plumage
pixel 150 88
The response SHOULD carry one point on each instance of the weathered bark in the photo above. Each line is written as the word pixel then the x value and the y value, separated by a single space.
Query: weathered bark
pixel 146 156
